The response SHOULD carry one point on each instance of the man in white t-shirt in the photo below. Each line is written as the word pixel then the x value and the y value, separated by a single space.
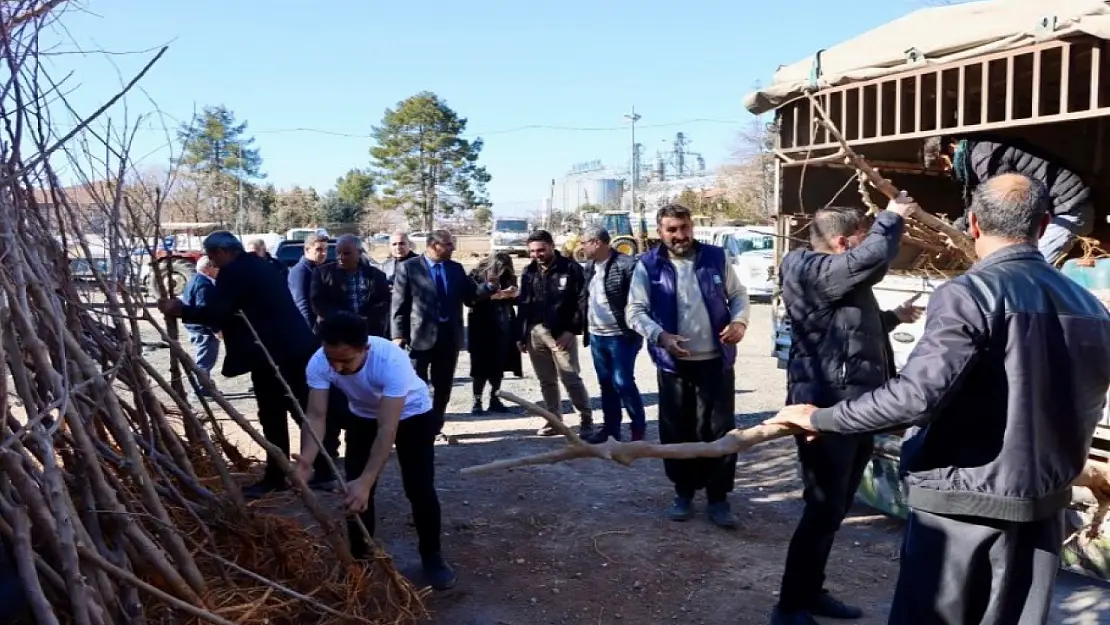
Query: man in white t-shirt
pixel 388 404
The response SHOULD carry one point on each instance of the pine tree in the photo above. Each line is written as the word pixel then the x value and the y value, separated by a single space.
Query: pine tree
pixel 218 155
pixel 426 166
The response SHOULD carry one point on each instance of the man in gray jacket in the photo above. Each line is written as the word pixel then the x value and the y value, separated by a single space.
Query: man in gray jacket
pixel 1002 395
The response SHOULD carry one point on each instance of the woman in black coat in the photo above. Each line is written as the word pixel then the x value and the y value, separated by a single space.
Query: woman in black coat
pixel 490 333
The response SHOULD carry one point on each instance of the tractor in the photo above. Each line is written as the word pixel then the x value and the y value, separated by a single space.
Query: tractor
pixel 623 237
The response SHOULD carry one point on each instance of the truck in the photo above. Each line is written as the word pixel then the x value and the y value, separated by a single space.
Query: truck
pixel 750 250
pixel 509 235
pixel 1030 71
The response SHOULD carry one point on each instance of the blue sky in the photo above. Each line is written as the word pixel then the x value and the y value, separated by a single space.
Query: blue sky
pixel 569 66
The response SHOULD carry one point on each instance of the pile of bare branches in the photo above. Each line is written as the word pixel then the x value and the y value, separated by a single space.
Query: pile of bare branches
pixel 942 246
pixel 119 502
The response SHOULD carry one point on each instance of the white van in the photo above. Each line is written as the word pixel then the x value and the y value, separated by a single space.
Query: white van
pixel 509 235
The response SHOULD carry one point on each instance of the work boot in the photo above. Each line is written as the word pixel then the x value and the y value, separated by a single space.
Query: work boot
pixel 681 510
pixel 547 430
pixel 798 617
pixel 637 434
pixel 438 573
pixel 829 606
pixel 477 410
pixel 495 405
pixel 720 514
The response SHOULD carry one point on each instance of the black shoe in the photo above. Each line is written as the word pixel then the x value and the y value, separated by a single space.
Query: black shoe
pixel 477 410
pixel 598 437
pixel 495 405
pixel 829 606
pixel 439 575
pixel 681 510
pixel 586 430
pixel 547 430
pixel 720 514
pixel 259 490
pixel 799 617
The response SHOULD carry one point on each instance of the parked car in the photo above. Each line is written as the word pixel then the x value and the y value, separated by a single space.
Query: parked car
pixel 291 252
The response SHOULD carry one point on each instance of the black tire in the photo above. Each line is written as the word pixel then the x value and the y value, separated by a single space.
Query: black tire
pixel 181 271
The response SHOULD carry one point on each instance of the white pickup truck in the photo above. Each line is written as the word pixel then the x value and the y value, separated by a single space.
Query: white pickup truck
pixel 751 250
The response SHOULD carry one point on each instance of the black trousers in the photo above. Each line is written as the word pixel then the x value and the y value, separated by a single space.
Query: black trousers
pixel 440 361
pixel 415 446
pixel 832 466
pixel 479 383
pixel 697 403
pixel 275 409
pixel 975 571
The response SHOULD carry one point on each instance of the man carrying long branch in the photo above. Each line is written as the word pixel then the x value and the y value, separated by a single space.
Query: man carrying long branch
pixel 1003 394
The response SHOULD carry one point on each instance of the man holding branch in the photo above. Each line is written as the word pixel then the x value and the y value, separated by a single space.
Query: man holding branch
pixel 839 350
pixel 1002 395
pixel 389 405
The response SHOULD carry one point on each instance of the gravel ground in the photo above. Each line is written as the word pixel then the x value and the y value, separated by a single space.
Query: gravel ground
pixel 585 541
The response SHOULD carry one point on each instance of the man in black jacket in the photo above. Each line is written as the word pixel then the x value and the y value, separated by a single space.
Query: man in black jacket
pixel 553 297
pixel 300 276
pixel 839 350
pixel 1003 394
pixel 258 248
pixel 351 284
pixel 248 285
pixel 613 345
pixel 973 161
pixel 428 296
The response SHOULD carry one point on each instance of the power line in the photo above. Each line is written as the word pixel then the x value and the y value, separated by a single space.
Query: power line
pixel 504 131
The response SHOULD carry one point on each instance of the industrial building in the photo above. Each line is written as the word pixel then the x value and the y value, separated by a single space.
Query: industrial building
pixel 593 184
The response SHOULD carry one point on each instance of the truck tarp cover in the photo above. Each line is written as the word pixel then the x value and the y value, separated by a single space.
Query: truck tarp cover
pixel 941 34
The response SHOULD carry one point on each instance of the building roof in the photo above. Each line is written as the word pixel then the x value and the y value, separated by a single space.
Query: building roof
pixel 941 34
pixel 83 194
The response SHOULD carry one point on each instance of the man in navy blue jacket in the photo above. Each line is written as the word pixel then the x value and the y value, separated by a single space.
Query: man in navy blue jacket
pixel 300 276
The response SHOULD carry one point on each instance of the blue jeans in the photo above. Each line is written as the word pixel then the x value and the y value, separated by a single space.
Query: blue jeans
pixel 207 349
pixel 615 364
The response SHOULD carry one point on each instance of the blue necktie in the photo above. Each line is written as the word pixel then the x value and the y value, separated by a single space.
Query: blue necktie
pixel 441 292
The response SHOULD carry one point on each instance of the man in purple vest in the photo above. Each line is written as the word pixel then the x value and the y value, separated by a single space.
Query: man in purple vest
pixel 690 305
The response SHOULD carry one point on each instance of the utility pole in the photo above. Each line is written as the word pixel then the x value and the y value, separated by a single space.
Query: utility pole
pixel 239 209
pixel 634 117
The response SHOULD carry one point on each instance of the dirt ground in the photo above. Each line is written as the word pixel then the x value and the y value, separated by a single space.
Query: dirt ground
pixel 585 542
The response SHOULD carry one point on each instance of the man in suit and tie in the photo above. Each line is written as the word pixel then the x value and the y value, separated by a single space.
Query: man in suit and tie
pixel 427 317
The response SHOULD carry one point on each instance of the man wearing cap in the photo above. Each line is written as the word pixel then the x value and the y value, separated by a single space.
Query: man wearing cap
pixel 249 288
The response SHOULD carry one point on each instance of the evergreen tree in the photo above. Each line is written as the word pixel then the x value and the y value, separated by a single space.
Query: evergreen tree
pixel 426 166
pixel 217 153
